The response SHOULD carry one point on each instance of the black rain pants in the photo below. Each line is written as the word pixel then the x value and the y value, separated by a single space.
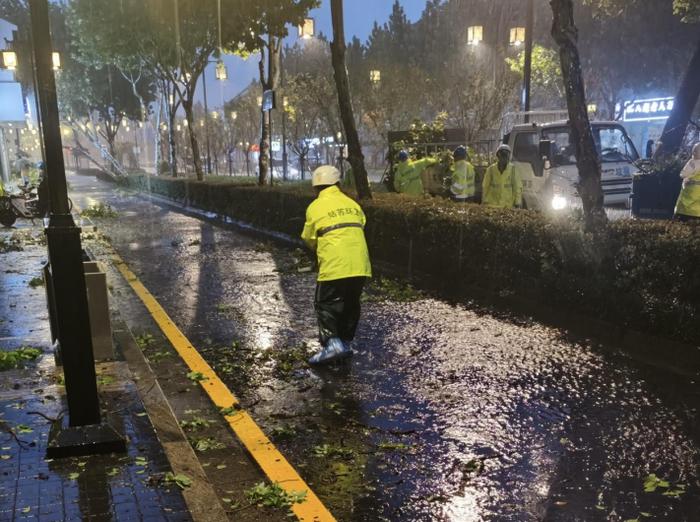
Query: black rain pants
pixel 337 305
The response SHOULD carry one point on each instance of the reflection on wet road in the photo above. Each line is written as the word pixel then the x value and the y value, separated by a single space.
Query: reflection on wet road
pixel 447 412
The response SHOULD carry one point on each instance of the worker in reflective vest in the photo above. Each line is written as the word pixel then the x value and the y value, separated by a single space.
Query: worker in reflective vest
pixel 463 177
pixel 502 186
pixel 334 229
pixel 688 205
pixel 407 179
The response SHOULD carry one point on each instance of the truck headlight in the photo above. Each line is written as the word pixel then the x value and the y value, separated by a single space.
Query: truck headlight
pixel 559 203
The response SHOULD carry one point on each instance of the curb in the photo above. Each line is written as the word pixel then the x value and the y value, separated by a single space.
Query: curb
pixel 200 497
pixel 220 219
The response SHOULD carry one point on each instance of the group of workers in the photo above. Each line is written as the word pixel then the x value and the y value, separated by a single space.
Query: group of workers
pixel 501 187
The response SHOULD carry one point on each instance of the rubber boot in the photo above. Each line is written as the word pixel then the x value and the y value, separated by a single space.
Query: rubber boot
pixel 334 350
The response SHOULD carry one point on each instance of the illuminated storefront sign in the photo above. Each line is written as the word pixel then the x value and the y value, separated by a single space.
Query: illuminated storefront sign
pixel 645 110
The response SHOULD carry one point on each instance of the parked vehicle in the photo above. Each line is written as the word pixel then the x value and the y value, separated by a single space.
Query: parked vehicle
pixel 544 156
pixel 24 204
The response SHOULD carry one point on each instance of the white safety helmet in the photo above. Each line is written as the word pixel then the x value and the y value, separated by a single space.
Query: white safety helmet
pixel 504 147
pixel 325 175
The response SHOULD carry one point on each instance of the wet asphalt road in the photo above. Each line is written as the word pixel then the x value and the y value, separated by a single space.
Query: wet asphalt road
pixel 446 412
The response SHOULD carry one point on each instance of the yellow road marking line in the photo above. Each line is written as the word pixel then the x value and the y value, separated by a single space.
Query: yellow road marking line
pixel 268 457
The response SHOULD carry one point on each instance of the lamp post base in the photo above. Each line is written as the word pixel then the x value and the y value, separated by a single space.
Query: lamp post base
pixel 76 441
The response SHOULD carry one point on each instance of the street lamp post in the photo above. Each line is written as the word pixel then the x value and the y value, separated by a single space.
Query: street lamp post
pixel 518 37
pixel 527 71
pixel 285 167
pixel 232 144
pixel 84 434
pixel 341 154
pixel 206 119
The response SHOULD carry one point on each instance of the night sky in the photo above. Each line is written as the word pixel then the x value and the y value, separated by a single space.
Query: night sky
pixel 360 16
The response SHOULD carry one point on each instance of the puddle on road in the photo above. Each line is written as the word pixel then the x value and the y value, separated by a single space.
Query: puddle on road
pixel 445 412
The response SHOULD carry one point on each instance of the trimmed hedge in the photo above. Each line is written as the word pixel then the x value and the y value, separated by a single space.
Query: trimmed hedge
pixel 642 275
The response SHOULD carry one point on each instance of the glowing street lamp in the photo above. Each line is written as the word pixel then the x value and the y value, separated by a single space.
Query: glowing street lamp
pixel 259 100
pixel 375 76
pixel 475 35
pixel 307 29
pixel 221 71
pixel 234 115
pixel 56 60
pixel 517 36
pixel 9 60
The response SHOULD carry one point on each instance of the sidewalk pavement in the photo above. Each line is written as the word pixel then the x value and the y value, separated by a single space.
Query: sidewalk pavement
pixel 130 486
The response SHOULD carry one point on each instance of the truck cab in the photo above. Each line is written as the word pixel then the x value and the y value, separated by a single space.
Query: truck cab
pixel 544 157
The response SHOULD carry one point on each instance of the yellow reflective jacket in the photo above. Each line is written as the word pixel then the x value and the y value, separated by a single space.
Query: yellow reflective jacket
pixel 2 189
pixel 689 199
pixel 502 189
pixel 407 179
pixel 334 228
pixel 463 180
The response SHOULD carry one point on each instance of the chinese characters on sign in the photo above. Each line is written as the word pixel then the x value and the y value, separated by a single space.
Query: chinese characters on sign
pixel 644 110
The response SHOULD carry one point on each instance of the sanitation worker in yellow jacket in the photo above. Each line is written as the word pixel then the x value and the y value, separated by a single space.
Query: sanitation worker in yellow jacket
pixel 502 186
pixel 688 205
pixel 407 179
pixel 334 229
pixel 463 177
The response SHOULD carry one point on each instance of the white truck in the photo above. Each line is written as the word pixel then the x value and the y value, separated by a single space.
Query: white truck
pixel 544 156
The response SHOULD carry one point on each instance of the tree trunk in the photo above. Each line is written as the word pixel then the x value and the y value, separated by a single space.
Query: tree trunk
pixel 683 107
pixel 565 33
pixel 156 152
pixel 340 72
pixel 268 82
pixel 194 143
pixel 111 136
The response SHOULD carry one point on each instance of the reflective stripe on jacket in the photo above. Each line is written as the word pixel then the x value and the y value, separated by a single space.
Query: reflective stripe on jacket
pixel 408 176
pixel 502 189
pixel 334 228
pixel 689 199
pixel 463 180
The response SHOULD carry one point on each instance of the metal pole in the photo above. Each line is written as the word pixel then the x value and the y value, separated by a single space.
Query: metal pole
pixel 206 119
pixel 527 72
pixel 285 167
pixel 272 153
pixel 65 252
